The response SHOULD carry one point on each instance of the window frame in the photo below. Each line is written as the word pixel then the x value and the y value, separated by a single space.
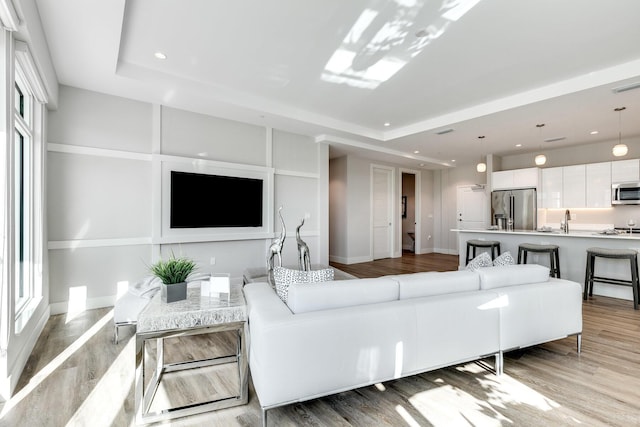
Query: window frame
pixel 24 194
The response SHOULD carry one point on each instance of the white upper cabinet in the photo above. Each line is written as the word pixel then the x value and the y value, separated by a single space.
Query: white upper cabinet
pixel 625 171
pixel 598 185
pixel 552 188
pixel 574 187
pixel 518 178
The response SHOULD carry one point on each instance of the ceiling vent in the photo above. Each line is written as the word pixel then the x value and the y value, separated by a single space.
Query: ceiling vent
pixel 625 88
pixel 443 131
pixel 557 138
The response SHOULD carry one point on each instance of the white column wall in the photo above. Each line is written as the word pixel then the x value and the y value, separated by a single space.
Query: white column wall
pixel 446 183
pixel 350 209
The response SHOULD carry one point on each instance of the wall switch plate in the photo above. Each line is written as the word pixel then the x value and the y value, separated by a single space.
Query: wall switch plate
pixel 213 260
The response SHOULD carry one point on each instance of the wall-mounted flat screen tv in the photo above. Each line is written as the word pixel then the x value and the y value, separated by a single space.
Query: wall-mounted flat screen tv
pixel 201 200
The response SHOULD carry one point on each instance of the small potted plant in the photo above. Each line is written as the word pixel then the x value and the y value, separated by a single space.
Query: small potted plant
pixel 173 273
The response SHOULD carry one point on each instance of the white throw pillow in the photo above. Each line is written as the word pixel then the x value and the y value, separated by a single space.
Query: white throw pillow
pixel 482 260
pixel 504 259
pixel 286 276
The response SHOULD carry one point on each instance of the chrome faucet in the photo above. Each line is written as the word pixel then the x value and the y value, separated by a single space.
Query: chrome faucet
pixel 565 225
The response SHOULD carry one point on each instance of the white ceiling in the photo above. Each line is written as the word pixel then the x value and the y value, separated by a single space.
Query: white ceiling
pixel 339 70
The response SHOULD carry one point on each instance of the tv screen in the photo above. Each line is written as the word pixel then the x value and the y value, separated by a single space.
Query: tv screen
pixel 200 200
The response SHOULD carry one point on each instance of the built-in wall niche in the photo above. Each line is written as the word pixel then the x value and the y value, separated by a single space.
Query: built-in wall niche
pixel 190 188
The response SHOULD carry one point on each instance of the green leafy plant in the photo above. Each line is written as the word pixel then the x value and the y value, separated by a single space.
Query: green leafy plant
pixel 174 270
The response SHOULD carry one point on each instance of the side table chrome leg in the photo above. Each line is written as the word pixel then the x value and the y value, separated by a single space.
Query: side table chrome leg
pixel 159 354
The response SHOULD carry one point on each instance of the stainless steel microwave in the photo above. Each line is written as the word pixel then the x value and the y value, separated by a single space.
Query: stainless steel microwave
pixel 626 193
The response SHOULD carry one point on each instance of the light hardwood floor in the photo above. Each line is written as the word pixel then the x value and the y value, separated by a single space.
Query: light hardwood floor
pixel 76 376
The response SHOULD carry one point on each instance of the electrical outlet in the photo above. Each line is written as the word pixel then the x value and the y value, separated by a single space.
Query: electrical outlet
pixel 213 260
pixel 307 215
pixel 573 216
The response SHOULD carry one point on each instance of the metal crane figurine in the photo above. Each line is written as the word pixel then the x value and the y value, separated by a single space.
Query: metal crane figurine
pixel 304 259
pixel 276 247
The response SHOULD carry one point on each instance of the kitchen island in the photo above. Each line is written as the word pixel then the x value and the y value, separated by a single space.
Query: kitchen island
pixel 573 253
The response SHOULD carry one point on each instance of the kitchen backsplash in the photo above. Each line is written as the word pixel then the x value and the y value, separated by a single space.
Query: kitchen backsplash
pixel 618 216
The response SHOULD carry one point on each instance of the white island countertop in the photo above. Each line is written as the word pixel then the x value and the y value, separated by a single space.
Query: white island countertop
pixel 572 249
pixel 558 233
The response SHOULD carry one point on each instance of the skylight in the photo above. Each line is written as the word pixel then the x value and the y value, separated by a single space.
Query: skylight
pixel 384 39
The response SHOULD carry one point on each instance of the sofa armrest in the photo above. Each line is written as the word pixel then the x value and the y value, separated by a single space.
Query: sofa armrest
pixel 540 312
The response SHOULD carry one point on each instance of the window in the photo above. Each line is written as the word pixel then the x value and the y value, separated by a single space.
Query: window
pixel 23 194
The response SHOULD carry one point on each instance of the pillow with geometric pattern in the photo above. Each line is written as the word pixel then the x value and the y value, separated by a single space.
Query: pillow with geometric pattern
pixel 286 276
pixel 482 260
pixel 504 259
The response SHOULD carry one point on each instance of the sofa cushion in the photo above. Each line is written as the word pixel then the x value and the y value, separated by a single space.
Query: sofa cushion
pixel 284 277
pixel 340 293
pixel 481 261
pixel 512 275
pixel 428 284
pixel 504 259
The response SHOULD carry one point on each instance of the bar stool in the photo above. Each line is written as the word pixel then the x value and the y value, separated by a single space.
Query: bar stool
pixel 492 245
pixel 552 250
pixel 590 277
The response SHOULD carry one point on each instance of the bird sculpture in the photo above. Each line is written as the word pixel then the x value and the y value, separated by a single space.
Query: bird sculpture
pixel 304 260
pixel 275 250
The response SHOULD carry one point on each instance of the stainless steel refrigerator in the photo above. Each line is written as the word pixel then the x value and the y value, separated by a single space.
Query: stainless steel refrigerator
pixel 519 205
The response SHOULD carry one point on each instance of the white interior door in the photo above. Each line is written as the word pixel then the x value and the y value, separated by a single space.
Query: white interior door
pixel 382 203
pixel 472 208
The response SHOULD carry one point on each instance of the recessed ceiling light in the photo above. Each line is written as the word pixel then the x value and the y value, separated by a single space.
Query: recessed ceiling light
pixel 416 152
pixel 160 55
pixel 593 132
pixel 518 145
pixel 421 164
pixel 453 160
pixel 387 124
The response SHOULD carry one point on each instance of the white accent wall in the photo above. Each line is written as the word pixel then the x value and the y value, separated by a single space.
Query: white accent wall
pixel 105 193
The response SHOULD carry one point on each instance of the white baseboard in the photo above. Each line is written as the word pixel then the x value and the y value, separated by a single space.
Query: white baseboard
pixel 424 251
pixel 354 260
pixel 90 304
pixel 9 383
pixel 445 251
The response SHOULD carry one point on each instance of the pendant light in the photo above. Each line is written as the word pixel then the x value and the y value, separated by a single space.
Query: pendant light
pixel 482 166
pixel 540 159
pixel 620 149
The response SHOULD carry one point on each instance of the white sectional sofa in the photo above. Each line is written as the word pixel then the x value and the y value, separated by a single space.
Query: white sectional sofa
pixel 336 336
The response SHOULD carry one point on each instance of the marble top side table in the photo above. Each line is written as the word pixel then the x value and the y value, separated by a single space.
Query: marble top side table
pixel 193 316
